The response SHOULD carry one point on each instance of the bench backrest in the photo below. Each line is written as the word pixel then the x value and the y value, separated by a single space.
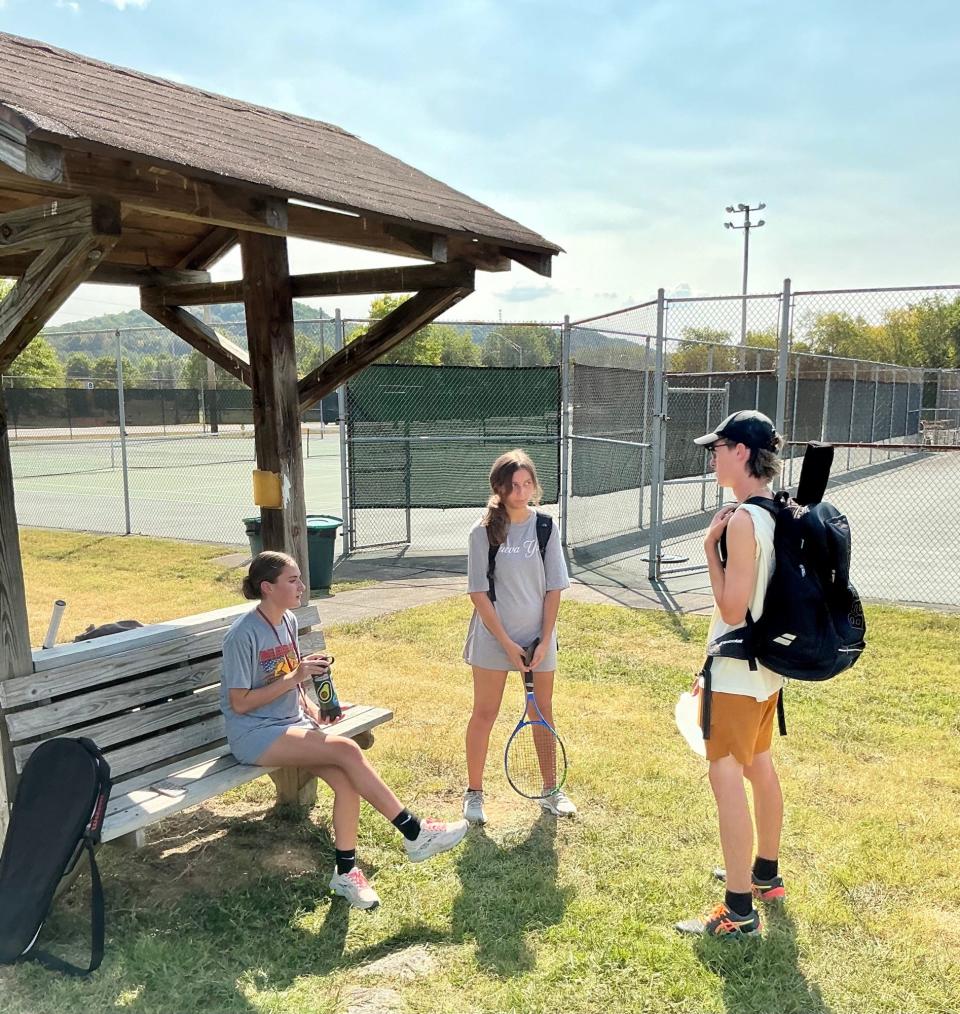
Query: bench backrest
pixel 146 697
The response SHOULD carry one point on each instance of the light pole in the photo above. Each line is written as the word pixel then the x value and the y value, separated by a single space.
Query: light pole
pixel 515 346
pixel 745 210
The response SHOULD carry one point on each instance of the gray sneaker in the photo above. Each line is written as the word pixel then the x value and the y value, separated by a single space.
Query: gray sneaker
pixel 559 804
pixel 435 836
pixel 473 806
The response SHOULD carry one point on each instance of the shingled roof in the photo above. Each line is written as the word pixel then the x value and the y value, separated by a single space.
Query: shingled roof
pixel 63 97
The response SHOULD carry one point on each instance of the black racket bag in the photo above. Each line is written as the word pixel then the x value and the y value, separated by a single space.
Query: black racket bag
pixel 56 817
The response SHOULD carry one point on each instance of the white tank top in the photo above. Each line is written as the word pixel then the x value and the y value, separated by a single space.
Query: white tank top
pixel 733 675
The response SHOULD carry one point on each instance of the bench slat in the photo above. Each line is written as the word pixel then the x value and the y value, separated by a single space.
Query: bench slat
pixel 79 675
pixel 126 786
pixel 137 724
pixel 98 704
pixel 165 747
pixel 143 805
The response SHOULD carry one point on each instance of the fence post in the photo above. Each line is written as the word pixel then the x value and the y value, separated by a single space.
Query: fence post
pixel 121 419
pixel 826 402
pixel 344 468
pixel 656 497
pixel 873 414
pixel 853 402
pixel 783 358
pixel 566 420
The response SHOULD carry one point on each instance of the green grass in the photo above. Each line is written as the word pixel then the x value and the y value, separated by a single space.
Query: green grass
pixel 115 577
pixel 226 908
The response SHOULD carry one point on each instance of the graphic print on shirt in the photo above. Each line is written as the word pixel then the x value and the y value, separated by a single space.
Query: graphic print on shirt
pixel 528 547
pixel 277 661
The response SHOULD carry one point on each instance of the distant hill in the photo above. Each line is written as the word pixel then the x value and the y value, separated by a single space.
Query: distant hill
pixel 77 337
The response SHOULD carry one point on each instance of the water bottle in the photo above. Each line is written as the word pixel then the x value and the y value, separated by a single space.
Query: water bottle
pixel 330 709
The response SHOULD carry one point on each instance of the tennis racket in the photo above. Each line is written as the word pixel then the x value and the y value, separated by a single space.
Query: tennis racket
pixel 534 760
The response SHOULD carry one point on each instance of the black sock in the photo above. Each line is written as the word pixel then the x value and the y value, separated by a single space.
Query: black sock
pixel 346 859
pixel 407 824
pixel 741 904
pixel 765 869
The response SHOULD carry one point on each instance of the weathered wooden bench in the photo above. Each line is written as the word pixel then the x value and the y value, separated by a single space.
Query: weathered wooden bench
pixel 939 432
pixel 150 699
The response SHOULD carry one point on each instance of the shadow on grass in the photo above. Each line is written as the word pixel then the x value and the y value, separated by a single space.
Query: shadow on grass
pixel 202 919
pixel 508 890
pixel 762 975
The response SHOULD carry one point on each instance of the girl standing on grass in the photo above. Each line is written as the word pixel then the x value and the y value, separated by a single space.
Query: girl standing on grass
pixel 271 721
pixel 527 601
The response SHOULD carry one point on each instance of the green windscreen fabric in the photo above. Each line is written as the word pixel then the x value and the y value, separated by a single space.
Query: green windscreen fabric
pixel 425 436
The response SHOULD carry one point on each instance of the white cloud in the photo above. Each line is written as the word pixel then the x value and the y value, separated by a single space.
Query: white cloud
pixel 122 5
pixel 70 5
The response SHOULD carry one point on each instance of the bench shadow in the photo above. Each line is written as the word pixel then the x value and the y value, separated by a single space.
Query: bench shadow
pixel 508 890
pixel 763 975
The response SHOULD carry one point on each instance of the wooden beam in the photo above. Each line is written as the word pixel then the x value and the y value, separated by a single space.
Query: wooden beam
pixel 37 227
pixel 382 336
pixel 483 256
pixel 210 249
pixel 36 159
pixel 541 263
pixel 276 412
pixel 45 286
pixel 14 265
pixel 224 353
pixel 431 245
pixel 15 657
pixel 369 281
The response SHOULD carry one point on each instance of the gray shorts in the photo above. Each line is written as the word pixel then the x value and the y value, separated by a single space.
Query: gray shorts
pixel 254 743
pixel 483 650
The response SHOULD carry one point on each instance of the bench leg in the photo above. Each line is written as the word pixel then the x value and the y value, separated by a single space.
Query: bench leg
pixel 132 842
pixel 295 787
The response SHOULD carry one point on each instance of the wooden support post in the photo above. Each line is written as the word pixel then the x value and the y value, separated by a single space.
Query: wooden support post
pixel 15 657
pixel 295 787
pixel 276 410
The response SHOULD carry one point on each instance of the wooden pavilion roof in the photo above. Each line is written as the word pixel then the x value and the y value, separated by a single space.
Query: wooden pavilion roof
pixel 190 167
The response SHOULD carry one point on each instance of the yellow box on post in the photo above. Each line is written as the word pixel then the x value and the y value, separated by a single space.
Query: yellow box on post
pixel 266 489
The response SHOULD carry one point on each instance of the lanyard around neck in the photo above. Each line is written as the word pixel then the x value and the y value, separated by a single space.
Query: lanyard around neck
pixel 292 644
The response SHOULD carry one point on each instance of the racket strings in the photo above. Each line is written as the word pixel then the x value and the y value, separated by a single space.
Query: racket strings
pixel 535 760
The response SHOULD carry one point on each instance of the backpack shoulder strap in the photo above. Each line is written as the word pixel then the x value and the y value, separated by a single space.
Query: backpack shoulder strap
pixel 544 531
pixel 492 551
pixel 97 927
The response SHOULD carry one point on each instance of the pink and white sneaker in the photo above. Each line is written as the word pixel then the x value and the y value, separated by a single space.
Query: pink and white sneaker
pixel 435 836
pixel 355 887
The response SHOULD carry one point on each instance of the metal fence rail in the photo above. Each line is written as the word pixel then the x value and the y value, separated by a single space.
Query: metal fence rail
pixel 607 406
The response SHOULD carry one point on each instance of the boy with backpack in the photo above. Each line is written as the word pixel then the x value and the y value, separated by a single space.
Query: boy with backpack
pixel 743 699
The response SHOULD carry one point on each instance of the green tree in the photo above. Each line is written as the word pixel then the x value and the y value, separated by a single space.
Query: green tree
pixel 433 345
pixel 521 345
pixel 79 368
pixel 193 373
pixel 707 350
pixel 38 364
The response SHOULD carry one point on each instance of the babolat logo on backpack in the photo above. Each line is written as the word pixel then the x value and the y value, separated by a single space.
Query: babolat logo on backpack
pixel 57 815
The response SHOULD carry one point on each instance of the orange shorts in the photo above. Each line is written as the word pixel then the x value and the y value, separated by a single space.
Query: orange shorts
pixel 742 726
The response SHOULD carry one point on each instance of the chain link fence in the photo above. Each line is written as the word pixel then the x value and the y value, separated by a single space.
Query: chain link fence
pixel 608 408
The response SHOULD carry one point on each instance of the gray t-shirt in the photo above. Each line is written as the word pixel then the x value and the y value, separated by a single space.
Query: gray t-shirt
pixel 256 653
pixel 522 580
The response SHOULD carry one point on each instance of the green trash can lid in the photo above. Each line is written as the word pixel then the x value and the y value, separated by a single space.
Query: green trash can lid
pixel 320 522
pixel 251 521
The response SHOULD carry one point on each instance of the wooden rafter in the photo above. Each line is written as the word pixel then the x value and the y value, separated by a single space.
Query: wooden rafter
pixel 45 286
pixel 37 227
pixel 224 353
pixel 370 281
pixel 14 265
pixel 382 336
pixel 218 242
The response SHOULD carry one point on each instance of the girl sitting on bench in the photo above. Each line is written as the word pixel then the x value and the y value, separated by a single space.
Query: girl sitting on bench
pixel 272 722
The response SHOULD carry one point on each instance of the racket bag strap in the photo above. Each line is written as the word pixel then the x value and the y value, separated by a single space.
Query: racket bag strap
pixel 781 714
pixel 706 693
pixel 56 964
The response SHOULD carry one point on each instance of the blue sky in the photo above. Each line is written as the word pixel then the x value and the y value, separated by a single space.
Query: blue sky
pixel 618 130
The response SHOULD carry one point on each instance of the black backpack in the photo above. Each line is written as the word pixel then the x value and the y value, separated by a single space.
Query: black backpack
pixel 812 627
pixel 544 529
pixel 57 815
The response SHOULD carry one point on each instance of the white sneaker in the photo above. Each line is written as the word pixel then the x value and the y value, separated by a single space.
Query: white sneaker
pixel 473 806
pixel 435 836
pixel 355 888
pixel 559 804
